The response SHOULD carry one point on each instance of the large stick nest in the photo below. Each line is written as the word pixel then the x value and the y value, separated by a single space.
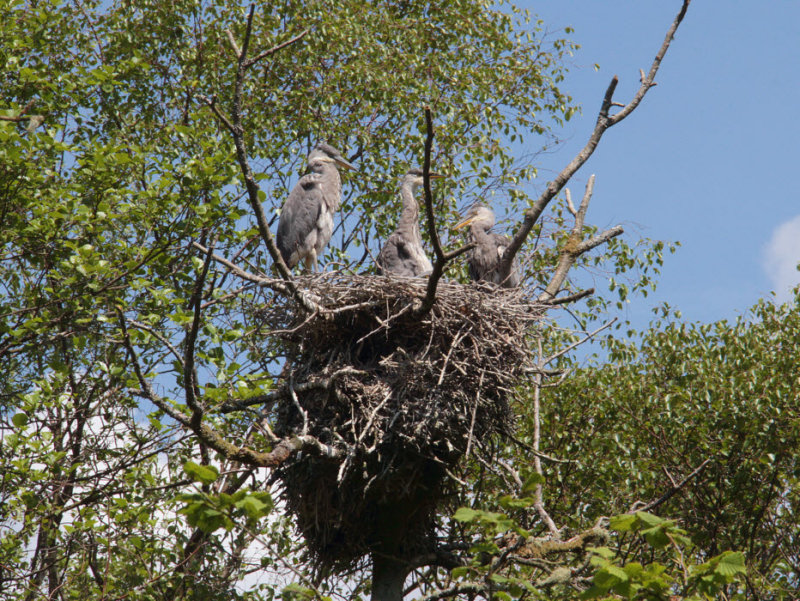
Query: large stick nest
pixel 401 396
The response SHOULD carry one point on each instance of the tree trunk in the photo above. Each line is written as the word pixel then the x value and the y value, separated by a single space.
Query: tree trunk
pixel 388 577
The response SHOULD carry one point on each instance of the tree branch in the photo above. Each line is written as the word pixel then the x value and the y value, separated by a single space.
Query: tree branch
pixel 190 384
pixel 284 287
pixel 604 121
pixel 639 506
pixel 441 257
pixel 249 63
pixel 575 246
pixel 571 298
pixel 280 452
pixel 241 155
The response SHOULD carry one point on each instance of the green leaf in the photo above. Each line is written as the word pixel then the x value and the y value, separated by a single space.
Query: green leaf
pixel 465 514
pixel 610 576
pixel 648 519
pixel 19 420
pixel 253 507
pixel 730 564
pixel 205 474
pixel 532 482
pixel 622 523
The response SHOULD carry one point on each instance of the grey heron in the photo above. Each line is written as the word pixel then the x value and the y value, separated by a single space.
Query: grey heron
pixel 484 259
pixel 306 222
pixel 403 253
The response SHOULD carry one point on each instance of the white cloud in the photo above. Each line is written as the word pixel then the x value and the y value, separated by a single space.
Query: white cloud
pixel 781 256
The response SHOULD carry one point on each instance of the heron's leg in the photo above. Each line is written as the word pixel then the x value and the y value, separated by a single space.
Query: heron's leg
pixel 311 261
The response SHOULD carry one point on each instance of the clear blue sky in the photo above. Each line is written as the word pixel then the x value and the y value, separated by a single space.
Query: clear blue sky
pixel 709 158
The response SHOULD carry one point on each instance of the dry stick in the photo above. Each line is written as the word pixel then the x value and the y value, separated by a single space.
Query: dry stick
pixel 575 247
pixel 190 384
pixel 669 494
pixel 237 132
pixel 442 258
pixel 538 503
pixel 279 453
pixel 604 121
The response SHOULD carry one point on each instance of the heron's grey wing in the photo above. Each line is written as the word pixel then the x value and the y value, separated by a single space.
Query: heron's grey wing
pixel 395 258
pixel 298 219
pixel 502 243
pixel 483 260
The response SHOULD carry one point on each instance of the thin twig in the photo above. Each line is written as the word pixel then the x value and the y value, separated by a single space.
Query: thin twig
pixel 604 121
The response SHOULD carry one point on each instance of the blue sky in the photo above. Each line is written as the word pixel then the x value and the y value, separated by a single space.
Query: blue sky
pixel 709 157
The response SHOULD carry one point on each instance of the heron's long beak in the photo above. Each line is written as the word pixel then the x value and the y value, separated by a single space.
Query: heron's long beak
pixel 465 223
pixel 343 163
pixel 436 176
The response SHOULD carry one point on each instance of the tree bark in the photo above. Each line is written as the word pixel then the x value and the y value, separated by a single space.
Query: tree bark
pixel 388 576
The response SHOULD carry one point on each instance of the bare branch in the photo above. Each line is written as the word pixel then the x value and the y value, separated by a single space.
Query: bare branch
pixel 649 81
pixel 284 287
pixel 588 336
pixel 569 252
pixel 570 206
pixel 604 121
pixel 235 127
pixel 241 155
pixel 639 506
pixel 441 259
pixel 236 50
pixel 571 298
pixel 601 238
pixel 212 104
pixel 190 384
pixel 249 63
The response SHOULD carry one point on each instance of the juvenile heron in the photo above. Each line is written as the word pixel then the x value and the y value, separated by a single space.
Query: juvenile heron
pixel 403 253
pixel 484 259
pixel 306 222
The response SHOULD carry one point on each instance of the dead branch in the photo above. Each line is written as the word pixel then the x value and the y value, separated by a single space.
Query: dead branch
pixel 575 246
pixel 250 62
pixel 639 506
pixel 571 298
pixel 241 155
pixel 604 121
pixel 280 452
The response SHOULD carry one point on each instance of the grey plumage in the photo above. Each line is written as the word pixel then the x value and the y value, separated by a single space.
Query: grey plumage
pixel 306 222
pixel 484 260
pixel 403 253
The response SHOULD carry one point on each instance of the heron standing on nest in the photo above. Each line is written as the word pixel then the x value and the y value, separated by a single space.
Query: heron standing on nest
pixel 403 253
pixel 306 222
pixel 484 259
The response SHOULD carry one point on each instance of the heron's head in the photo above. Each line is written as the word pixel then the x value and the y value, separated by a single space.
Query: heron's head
pixel 323 154
pixel 414 178
pixel 479 215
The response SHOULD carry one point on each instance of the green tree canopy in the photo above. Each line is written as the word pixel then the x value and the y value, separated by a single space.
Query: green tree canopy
pixel 128 135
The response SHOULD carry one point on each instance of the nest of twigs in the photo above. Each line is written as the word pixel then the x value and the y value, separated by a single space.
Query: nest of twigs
pixel 400 396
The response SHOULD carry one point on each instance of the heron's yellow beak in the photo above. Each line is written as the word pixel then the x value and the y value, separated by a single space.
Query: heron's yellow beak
pixel 436 176
pixel 342 163
pixel 464 223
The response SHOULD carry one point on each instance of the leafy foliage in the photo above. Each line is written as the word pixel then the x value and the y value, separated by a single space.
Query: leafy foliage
pixel 112 163
pixel 701 415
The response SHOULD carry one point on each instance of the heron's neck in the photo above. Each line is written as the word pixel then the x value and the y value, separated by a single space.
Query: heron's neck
pixel 479 231
pixel 409 218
